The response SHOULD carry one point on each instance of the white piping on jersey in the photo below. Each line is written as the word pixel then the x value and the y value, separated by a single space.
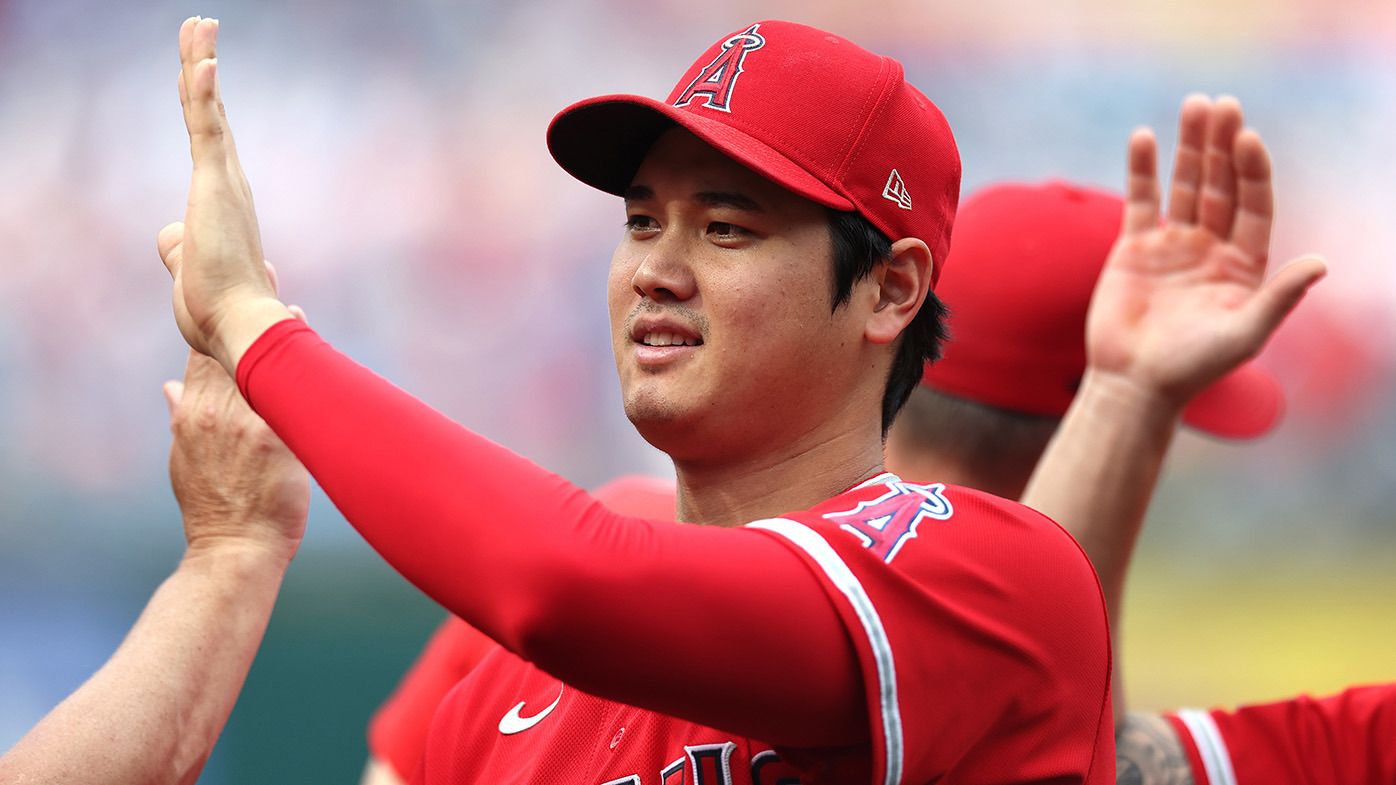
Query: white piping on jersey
pixel 1211 746
pixel 814 544
pixel 880 479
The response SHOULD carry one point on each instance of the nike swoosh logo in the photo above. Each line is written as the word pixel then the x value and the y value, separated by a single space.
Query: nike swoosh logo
pixel 515 722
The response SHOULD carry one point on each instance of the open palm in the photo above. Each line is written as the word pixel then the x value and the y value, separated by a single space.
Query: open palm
pixel 215 255
pixel 1183 299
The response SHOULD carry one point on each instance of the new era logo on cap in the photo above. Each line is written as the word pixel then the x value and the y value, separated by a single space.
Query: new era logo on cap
pixel 895 191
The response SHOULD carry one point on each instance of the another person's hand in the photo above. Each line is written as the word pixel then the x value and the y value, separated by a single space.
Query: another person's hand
pixel 236 483
pixel 223 298
pixel 1183 297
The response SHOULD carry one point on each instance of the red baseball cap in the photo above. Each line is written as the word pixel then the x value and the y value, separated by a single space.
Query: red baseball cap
pixel 1026 262
pixel 808 110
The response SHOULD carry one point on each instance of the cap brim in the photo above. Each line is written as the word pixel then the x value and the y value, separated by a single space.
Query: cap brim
pixel 602 142
pixel 1244 404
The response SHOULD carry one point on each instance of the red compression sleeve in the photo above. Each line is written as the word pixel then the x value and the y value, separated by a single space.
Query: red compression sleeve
pixel 699 622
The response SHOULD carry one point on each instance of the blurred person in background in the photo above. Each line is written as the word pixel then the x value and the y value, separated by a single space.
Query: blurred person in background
pixel 1027 260
pixel 152 713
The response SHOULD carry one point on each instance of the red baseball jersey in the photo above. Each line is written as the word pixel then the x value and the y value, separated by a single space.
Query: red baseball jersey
pixel 970 630
pixel 1344 739
pixel 967 671
pixel 397 733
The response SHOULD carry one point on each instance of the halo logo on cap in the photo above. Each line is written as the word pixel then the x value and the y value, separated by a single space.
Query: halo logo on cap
pixel 717 78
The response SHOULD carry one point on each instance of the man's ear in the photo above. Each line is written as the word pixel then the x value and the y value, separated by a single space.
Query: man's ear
pixel 903 281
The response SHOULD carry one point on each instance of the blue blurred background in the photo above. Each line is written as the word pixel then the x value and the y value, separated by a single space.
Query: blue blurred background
pixel 408 201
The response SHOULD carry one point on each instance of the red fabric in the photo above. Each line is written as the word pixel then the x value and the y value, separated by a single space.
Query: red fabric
pixel 1194 755
pixel 397 733
pixel 1344 739
pixel 990 613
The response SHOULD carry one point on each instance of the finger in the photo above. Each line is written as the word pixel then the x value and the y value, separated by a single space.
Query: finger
pixel 186 41
pixel 299 313
pixel 183 98
pixel 207 132
pixel 1278 296
pixel 168 239
pixel 1141 183
pixel 1255 197
pixel 1216 209
pixel 174 391
pixel 1187 161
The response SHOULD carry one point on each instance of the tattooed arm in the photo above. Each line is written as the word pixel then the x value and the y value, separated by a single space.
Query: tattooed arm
pixel 1148 752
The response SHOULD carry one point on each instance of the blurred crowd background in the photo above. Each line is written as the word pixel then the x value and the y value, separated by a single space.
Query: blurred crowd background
pixel 410 205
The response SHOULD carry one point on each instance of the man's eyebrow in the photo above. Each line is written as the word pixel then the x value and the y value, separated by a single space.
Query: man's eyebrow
pixel 730 199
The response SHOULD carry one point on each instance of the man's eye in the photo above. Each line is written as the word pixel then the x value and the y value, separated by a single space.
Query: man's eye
pixel 724 229
pixel 639 223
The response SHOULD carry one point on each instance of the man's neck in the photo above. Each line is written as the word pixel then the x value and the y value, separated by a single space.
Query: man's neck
pixel 928 467
pixel 799 477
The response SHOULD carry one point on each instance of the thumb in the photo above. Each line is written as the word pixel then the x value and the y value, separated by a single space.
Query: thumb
pixel 1280 295
pixel 169 243
pixel 174 392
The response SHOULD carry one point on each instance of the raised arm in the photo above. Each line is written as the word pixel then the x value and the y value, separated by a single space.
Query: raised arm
pixel 1181 301
pixel 608 603
pixel 152 713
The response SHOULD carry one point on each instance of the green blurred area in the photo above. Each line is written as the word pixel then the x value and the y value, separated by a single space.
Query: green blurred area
pixel 344 630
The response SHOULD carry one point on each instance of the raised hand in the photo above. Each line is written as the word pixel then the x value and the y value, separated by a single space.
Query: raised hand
pixel 223 296
pixel 1183 299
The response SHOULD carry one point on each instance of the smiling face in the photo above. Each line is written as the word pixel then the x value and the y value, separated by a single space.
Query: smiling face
pixel 721 315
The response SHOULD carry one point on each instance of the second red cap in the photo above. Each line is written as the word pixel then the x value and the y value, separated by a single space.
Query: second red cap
pixel 1025 265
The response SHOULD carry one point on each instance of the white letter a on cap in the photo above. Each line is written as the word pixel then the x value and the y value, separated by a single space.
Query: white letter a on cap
pixel 895 191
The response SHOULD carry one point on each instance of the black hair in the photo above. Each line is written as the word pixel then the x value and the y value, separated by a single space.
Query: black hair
pixel 858 248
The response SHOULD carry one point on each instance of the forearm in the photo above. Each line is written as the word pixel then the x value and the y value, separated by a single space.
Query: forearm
pixel 688 620
pixel 1097 477
pixel 153 712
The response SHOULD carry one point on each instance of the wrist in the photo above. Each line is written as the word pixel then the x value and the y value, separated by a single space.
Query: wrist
pixel 241 325
pixel 242 554
pixel 1124 397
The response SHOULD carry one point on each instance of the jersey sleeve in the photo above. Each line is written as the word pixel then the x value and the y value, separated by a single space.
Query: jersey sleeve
pixel 980 629
pixel 695 621
pixel 1343 739
pixel 397 733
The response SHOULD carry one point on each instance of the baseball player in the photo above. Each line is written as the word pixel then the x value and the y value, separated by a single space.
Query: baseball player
pixel 1027 258
pixel 151 714
pixel 791 646
pixel 1008 381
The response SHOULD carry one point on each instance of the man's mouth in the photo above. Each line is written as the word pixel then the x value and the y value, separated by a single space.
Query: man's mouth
pixel 669 339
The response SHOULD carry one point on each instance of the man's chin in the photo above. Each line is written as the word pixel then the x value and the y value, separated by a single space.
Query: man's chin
pixel 663 422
